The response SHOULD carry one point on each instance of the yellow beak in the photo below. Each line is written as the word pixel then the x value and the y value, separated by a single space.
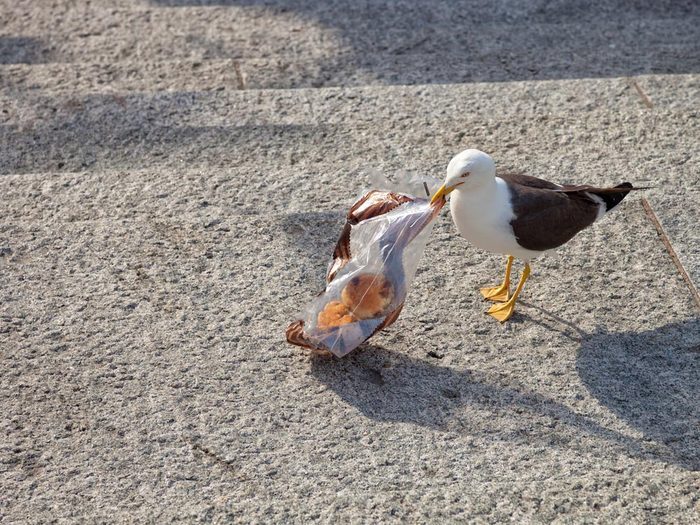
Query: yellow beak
pixel 441 193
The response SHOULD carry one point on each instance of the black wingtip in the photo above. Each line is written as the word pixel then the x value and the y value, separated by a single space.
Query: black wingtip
pixel 613 199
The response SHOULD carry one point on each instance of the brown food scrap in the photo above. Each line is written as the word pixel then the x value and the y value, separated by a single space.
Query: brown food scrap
pixel 373 204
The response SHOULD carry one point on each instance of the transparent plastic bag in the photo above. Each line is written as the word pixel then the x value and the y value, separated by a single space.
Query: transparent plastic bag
pixel 373 265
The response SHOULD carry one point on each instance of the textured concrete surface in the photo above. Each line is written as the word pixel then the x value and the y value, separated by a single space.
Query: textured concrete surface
pixel 157 234
pixel 292 43
pixel 291 141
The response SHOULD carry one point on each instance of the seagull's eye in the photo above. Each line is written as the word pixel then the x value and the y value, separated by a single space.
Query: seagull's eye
pixel 464 175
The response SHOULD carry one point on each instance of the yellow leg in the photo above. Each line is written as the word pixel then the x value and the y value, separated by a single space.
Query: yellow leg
pixel 500 293
pixel 503 311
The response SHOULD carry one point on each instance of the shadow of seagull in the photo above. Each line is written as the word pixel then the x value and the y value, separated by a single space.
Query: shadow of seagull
pixel 650 380
pixel 389 386
pixel 557 324
pixel 640 377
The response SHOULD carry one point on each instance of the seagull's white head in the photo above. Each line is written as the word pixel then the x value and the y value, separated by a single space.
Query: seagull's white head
pixel 467 170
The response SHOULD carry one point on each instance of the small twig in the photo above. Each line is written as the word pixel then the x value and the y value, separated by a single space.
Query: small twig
pixel 228 465
pixel 669 248
pixel 645 98
pixel 239 75
pixel 409 47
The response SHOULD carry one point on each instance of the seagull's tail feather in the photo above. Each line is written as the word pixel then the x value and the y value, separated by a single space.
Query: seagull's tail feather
pixel 613 196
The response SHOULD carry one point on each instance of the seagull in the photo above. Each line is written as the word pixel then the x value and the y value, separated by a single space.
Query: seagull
pixel 518 215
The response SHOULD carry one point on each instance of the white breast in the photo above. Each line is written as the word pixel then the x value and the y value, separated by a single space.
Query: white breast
pixel 483 216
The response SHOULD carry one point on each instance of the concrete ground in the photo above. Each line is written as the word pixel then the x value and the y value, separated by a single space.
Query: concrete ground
pixel 173 175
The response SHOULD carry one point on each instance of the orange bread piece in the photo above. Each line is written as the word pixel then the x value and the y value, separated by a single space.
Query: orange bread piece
pixel 368 295
pixel 334 314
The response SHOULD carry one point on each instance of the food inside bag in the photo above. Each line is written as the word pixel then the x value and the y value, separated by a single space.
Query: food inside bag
pixel 373 265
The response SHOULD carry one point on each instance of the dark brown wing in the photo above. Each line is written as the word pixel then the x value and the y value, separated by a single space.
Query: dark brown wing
pixel 546 217
pixel 527 180
pixel 534 182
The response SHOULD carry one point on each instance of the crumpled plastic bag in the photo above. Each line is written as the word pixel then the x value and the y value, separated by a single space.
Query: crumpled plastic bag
pixel 373 265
